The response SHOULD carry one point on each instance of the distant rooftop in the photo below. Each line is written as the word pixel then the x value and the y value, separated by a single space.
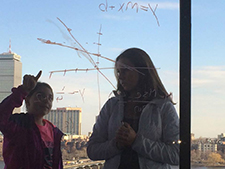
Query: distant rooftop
pixel 69 108
pixel 10 55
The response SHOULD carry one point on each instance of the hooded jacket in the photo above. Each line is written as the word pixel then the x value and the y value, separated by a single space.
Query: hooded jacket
pixel 157 138
pixel 23 147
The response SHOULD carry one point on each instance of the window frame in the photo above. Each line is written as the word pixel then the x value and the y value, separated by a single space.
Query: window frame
pixel 185 83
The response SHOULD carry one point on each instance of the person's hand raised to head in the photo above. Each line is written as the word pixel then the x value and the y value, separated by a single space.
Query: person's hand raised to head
pixel 30 81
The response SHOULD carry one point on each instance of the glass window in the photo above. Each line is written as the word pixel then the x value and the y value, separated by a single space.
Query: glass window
pixel 75 44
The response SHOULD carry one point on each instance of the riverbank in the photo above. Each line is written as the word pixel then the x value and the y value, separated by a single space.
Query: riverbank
pixel 201 165
pixel 206 164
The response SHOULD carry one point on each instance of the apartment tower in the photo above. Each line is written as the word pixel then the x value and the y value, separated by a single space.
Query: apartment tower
pixel 67 119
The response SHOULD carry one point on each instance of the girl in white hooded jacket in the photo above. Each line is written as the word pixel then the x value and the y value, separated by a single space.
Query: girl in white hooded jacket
pixel 139 127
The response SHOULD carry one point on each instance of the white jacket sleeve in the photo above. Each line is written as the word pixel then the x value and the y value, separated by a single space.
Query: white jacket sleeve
pixel 100 147
pixel 166 149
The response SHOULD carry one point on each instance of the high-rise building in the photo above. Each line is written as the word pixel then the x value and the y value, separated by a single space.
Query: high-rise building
pixel 67 119
pixel 10 74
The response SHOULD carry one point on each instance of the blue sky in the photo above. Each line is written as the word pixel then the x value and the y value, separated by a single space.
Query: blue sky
pixel 24 21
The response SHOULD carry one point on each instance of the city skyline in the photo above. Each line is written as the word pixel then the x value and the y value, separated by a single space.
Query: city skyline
pixel 121 26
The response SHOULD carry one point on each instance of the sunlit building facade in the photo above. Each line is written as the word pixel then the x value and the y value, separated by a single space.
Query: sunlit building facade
pixel 67 119
pixel 10 74
pixel 207 147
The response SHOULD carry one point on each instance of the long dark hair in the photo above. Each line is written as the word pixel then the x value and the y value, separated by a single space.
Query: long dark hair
pixel 149 80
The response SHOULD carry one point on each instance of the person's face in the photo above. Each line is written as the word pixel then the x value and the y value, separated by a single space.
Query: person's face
pixel 128 76
pixel 40 103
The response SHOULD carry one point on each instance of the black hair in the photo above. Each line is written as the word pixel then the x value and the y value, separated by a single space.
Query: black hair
pixel 37 87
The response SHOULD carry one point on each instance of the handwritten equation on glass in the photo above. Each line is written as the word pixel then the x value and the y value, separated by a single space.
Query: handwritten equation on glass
pixel 74 92
pixel 104 7
pixel 124 6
